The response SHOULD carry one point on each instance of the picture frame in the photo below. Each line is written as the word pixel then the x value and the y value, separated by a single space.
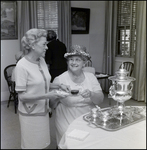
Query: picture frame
pixel 80 18
pixel 9 25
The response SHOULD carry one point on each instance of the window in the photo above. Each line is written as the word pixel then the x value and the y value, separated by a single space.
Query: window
pixel 47 15
pixel 126 28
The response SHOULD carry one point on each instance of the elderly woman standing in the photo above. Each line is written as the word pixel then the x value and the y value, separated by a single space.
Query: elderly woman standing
pixel 32 84
pixel 90 93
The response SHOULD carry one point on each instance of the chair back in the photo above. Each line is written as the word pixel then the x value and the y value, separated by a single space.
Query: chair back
pixel 129 66
pixel 7 74
pixel 88 63
pixel 89 69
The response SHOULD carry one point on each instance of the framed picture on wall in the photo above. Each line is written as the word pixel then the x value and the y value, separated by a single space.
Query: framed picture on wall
pixel 9 25
pixel 80 18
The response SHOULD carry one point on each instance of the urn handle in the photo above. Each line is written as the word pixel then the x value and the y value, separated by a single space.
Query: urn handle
pixel 131 86
pixel 112 90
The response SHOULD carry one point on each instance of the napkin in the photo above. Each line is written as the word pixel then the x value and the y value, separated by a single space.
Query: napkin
pixel 78 134
pixel 62 92
pixel 101 75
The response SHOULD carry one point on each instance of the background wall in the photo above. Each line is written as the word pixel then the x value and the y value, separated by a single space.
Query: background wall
pixel 94 41
pixel 8 51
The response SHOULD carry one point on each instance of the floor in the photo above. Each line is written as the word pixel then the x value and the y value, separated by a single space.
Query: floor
pixel 10 129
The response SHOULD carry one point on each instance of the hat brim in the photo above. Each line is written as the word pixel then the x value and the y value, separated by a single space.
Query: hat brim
pixel 67 55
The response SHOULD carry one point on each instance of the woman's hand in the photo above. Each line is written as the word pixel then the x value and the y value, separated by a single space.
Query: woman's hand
pixel 86 93
pixel 65 87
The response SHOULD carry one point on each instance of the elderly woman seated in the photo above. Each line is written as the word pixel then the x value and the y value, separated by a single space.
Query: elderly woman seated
pixel 85 90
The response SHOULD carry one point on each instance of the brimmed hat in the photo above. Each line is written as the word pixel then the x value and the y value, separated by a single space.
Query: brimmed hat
pixel 78 50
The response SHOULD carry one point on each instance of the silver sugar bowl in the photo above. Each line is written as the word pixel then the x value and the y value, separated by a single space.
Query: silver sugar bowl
pixel 104 116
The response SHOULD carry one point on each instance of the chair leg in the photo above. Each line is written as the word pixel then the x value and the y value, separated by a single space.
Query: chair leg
pixel 15 103
pixel 15 106
pixel 50 114
pixel 9 100
pixel 8 103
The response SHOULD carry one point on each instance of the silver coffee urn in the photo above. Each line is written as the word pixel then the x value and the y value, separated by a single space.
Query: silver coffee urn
pixel 121 90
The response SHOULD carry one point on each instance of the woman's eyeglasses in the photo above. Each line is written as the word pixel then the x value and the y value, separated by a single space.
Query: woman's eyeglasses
pixel 75 60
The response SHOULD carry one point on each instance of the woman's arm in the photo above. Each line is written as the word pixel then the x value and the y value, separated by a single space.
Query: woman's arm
pixel 97 98
pixel 56 85
pixel 25 97
pixel 60 86
pixel 95 94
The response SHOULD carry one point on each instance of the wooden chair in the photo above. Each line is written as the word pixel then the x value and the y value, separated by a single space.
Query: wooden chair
pixel 88 63
pixel 129 66
pixel 88 67
pixel 11 86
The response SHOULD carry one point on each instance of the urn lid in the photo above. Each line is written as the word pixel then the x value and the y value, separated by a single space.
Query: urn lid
pixel 122 73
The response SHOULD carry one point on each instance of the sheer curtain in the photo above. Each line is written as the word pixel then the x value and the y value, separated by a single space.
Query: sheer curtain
pixel 28 17
pixel 64 15
pixel 110 39
pixel 139 93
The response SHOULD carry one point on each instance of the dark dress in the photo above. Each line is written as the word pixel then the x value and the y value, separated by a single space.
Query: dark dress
pixel 55 58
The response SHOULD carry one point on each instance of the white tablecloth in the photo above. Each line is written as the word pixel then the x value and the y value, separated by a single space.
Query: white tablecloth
pixel 130 137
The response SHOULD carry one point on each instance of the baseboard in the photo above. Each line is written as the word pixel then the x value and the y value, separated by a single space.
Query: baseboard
pixel 4 102
pixel 5 96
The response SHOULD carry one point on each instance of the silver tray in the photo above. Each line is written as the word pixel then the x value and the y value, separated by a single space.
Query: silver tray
pixel 113 123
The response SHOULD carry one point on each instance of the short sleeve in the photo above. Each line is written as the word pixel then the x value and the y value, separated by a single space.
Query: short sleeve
pixel 94 83
pixel 20 78
pixel 56 80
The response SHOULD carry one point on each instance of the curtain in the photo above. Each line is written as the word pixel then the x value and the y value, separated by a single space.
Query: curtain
pixel 28 17
pixel 64 28
pixel 139 89
pixel 110 40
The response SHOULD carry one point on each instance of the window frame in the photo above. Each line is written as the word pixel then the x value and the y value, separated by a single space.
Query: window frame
pixel 131 27
pixel 44 18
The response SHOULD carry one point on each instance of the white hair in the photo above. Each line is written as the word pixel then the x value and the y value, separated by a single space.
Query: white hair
pixel 32 36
